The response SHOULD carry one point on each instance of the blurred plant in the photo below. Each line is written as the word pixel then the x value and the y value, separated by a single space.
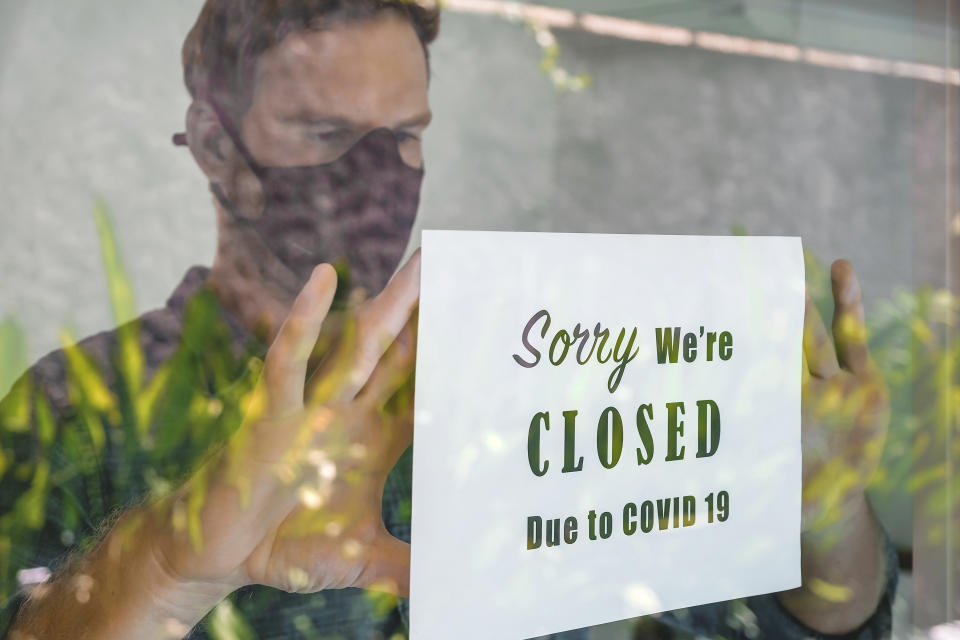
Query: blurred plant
pixel 154 429
pixel 128 432
pixel 563 80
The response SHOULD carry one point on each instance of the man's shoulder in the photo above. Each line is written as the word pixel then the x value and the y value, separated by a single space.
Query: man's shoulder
pixel 158 333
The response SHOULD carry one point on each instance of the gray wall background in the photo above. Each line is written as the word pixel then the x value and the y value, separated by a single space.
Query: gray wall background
pixel 668 140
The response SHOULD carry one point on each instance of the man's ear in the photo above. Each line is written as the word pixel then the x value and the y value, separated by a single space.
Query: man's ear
pixel 210 145
pixel 218 158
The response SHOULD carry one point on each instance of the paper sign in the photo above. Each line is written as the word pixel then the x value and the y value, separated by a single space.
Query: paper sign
pixel 607 426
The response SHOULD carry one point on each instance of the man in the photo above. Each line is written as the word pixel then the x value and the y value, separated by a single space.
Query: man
pixel 306 118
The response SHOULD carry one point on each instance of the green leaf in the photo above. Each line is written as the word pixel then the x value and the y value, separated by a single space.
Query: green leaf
pixel 13 353
pixel 118 284
pixel 227 623
pixel 87 377
pixel 130 356
pixel 31 506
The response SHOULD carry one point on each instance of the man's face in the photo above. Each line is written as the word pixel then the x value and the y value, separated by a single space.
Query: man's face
pixel 318 92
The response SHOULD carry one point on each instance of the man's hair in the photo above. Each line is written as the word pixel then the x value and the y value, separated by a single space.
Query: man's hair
pixel 220 52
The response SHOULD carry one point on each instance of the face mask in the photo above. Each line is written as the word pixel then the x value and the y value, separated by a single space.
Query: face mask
pixel 360 209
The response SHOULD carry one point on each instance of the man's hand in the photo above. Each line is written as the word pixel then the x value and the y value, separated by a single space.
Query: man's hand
pixel 293 500
pixel 845 415
pixel 846 408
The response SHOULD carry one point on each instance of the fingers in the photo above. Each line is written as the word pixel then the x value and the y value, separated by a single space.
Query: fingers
pixel 388 398
pixel 372 330
pixel 388 568
pixel 849 328
pixel 338 321
pixel 394 304
pixel 285 367
pixel 817 345
pixel 394 368
pixel 386 315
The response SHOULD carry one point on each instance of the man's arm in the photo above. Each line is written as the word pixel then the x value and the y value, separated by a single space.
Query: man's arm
pixel 844 572
pixel 123 589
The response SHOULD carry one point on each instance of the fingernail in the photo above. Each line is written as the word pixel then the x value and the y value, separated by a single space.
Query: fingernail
pixel 851 291
pixel 415 263
pixel 315 278
pixel 315 275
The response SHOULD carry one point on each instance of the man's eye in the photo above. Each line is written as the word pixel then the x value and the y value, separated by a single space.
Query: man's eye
pixel 336 135
pixel 404 136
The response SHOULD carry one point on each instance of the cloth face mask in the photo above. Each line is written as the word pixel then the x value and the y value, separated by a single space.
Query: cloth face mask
pixel 359 208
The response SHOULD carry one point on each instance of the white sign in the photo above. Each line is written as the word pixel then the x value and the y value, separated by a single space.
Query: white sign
pixel 607 426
